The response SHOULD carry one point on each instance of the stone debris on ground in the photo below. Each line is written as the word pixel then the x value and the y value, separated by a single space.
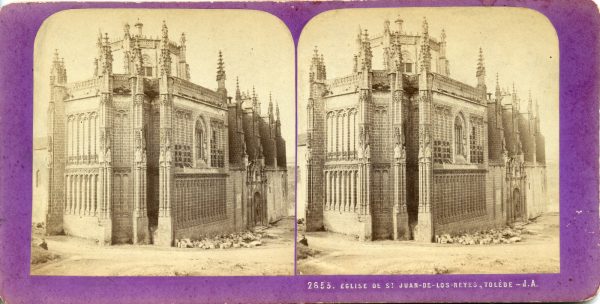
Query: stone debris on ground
pixel 245 239
pixel 507 235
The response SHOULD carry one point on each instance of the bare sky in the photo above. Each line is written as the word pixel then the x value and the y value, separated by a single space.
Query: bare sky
pixel 257 47
pixel 519 44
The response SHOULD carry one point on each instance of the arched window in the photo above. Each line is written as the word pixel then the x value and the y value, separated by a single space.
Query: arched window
pixel 199 141
pixel 459 137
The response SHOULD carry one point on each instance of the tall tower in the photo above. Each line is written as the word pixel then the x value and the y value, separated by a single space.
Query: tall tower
pixel 424 230
pixel 315 152
pixel 56 154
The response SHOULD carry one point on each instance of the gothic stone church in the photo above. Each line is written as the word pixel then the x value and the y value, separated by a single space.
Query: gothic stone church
pixel 407 152
pixel 147 156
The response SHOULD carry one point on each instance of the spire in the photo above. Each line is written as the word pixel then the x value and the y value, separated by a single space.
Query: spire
pixel 480 64
pixel 425 48
pixel 498 92
pixel 238 94
pixel 317 67
pixel 530 104
pixel 220 67
pixel 106 56
pixel 270 106
pixel 365 56
pixel 56 72
pixel 515 99
pixel 277 110
pixel 165 53
pixel 481 72
pixel 165 32
pixel 254 101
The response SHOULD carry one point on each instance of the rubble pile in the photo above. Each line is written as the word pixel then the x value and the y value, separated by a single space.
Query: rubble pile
pixel 235 240
pixel 505 235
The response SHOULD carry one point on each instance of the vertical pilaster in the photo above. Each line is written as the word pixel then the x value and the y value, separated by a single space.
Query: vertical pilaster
pixel 424 229
pixel 165 229
pixel 105 126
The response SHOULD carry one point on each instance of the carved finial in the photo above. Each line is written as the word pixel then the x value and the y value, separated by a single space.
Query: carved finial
pixel 425 48
pixel 443 36
pixel 182 39
pixel 399 23
pixel 139 27
pixel 277 110
pixel 386 26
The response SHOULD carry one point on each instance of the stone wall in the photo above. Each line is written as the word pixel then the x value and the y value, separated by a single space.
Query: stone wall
pixel 83 226
pixel 346 223
pixel 276 194
pixel 535 192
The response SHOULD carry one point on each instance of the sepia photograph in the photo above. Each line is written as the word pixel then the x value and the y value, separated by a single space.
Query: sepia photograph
pixel 428 142
pixel 163 144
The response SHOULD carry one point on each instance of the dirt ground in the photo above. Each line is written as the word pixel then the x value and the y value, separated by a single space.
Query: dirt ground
pixel 331 253
pixel 84 258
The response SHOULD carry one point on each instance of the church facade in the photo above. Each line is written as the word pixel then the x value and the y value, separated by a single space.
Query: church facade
pixel 147 156
pixel 407 152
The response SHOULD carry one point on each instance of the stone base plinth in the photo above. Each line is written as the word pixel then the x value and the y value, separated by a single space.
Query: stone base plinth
pixel 105 235
pixel 140 230
pixel 402 229
pixel 163 236
pixel 424 229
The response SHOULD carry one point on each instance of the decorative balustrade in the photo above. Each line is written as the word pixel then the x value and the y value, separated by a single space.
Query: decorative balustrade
pixel 195 91
pixel 84 84
pixel 453 87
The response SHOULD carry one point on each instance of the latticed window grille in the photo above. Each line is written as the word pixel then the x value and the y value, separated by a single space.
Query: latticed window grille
pixel 217 146
pixel 476 142
pixel 183 139
pixel 442 136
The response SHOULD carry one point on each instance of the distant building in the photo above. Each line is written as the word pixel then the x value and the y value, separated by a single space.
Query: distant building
pixel 148 156
pixel 407 152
